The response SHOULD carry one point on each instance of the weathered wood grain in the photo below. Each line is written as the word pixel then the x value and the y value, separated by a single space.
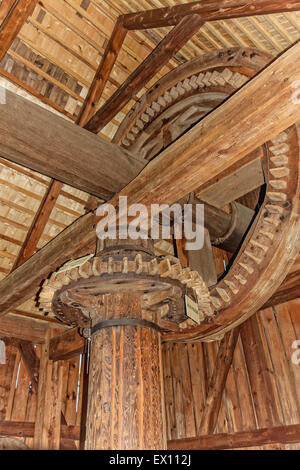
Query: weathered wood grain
pixel 66 345
pixel 209 11
pixel 258 437
pixel 37 139
pixel 13 23
pixel 102 74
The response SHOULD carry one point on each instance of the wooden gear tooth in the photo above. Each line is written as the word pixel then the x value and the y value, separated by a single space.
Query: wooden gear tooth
pixel 175 270
pixel 63 278
pixel 110 265
pixel 280 138
pixel 85 270
pixel 96 266
pixel 54 282
pixel 274 208
pixel 184 276
pixel 216 302
pixel 165 269
pixel 153 267
pixel 278 184
pixel 73 274
pixel 240 279
pixel 193 82
pixel 268 235
pixel 277 197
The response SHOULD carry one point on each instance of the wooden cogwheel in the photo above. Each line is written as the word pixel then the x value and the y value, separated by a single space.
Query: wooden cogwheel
pixel 174 104
pixel 74 294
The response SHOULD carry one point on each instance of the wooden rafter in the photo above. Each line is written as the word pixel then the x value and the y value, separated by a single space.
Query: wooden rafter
pixel 217 383
pixel 160 56
pixel 12 24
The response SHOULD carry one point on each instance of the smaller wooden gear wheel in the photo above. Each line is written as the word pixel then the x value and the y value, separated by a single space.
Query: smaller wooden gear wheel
pixel 74 295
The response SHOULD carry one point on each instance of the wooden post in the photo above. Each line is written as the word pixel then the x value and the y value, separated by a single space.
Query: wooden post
pixel 126 408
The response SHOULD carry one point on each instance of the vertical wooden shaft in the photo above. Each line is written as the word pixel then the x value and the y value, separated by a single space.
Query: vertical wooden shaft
pixel 126 400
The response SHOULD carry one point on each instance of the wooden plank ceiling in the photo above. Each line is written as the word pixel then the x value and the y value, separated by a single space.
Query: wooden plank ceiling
pixel 52 62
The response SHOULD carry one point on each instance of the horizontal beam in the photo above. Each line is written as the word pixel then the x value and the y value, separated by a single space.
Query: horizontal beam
pixel 66 345
pixel 210 10
pixel 222 140
pixel 225 138
pixel 259 437
pixel 38 139
pixel 159 57
pixel 12 326
pixel 26 429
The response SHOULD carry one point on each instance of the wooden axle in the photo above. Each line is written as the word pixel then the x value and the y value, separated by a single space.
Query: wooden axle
pixel 125 405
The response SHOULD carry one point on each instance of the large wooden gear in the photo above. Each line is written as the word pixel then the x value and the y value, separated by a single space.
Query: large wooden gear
pixel 172 106
pixel 179 100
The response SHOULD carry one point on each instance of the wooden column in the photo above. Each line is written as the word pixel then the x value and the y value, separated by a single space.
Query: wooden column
pixel 126 407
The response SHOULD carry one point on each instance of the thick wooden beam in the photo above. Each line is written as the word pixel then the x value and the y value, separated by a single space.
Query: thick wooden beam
pixel 66 345
pixel 259 437
pixel 160 56
pixel 210 10
pixel 26 429
pixel 36 138
pixel 13 23
pixel 218 381
pixel 102 75
pixel 225 138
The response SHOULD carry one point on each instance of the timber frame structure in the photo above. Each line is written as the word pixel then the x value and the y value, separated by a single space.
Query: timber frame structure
pixel 181 102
